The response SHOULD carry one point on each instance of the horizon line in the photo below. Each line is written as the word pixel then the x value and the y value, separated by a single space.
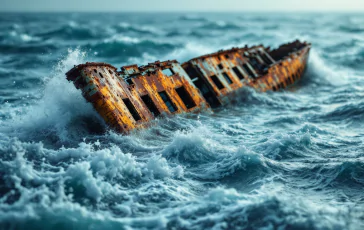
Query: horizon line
pixel 186 11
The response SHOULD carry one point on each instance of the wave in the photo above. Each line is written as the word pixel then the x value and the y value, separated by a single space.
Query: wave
pixel 322 73
pixel 123 39
pixel 219 209
pixel 250 98
pixel 254 18
pixel 71 31
pixel 355 61
pixel 354 29
pixel 284 146
pixel 192 18
pixel 102 174
pixel 328 175
pixel 228 209
pixel 19 68
pixel 87 171
pixel 60 106
pixel 193 33
pixel 350 173
pixel 190 148
pixel 174 33
pixel 14 36
pixel 27 48
pixel 219 25
pixel 207 159
pixel 342 46
pixel 187 51
pixel 125 47
pixel 139 29
pixel 73 178
pixel 350 112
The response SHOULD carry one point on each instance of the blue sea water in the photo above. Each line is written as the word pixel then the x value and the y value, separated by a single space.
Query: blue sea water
pixel 292 159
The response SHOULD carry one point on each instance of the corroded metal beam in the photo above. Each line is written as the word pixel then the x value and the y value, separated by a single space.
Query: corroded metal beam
pixel 133 97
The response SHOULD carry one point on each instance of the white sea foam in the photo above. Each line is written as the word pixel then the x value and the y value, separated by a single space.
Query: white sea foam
pixel 23 36
pixel 122 38
pixel 60 103
pixel 326 71
pixel 191 49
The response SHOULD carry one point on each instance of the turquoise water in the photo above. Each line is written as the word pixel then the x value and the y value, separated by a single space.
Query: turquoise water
pixel 284 160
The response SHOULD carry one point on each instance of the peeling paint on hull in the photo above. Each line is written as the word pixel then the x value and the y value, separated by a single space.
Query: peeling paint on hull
pixel 133 97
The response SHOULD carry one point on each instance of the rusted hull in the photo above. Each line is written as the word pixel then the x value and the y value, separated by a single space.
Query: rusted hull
pixel 136 95
pixel 283 73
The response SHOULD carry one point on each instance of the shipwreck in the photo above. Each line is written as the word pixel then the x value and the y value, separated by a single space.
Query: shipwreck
pixel 132 97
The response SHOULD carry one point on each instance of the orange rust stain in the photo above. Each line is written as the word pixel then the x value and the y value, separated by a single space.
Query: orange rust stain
pixel 117 95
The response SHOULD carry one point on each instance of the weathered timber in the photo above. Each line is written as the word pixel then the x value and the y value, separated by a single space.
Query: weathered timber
pixel 133 97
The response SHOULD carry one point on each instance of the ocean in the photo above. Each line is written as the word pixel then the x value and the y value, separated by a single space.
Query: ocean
pixel 292 159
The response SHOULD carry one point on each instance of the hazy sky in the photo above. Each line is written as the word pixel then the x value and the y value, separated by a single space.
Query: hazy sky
pixel 182 5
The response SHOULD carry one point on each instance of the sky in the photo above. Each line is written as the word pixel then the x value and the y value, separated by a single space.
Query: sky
pixel 182 5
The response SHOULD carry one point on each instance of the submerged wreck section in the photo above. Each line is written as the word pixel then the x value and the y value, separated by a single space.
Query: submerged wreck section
pixel 132 97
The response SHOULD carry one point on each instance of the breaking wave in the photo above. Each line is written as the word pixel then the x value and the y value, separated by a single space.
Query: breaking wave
pixel 61 110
